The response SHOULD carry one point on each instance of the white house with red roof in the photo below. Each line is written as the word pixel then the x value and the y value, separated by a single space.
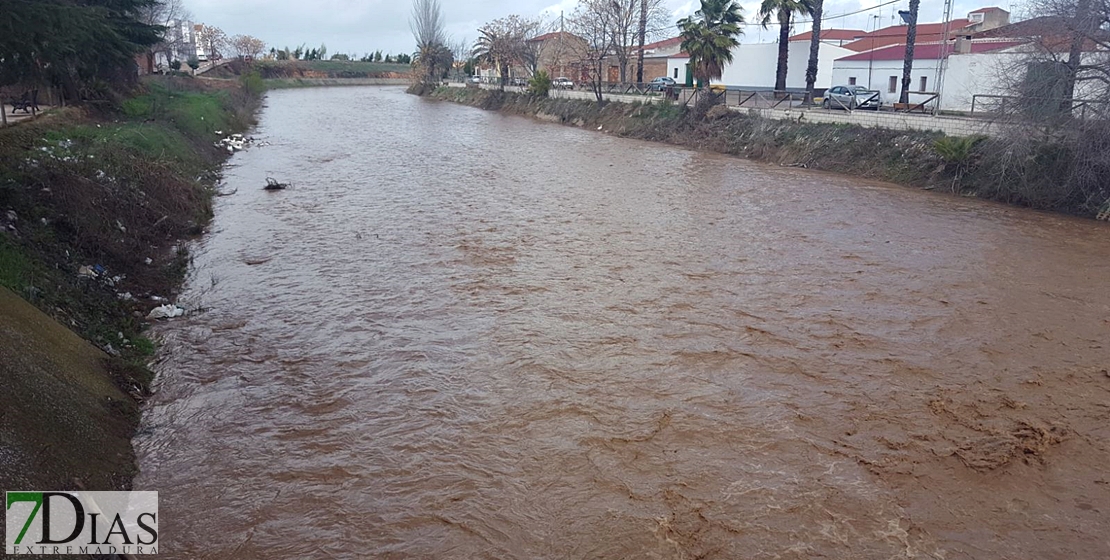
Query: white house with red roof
pixel 881 69
pixel 836 37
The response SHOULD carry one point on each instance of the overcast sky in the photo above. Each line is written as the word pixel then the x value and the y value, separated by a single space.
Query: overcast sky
pixel 359 26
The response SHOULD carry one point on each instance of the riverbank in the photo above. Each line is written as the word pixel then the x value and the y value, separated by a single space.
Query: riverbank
pixel 95 204
pixel 980 167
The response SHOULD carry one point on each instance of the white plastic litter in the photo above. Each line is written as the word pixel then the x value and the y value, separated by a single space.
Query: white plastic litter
pixel 168 311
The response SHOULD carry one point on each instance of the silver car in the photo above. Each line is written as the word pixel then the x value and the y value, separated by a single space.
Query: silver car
pixel 563 83
pixel 852 97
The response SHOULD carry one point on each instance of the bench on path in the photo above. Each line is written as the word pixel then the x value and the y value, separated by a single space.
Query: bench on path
pixel 28 102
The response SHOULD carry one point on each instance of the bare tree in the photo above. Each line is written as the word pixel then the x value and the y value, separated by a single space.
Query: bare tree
pixel 624 18
pixel 460 51
pixel 212 40
pixel 1056 152
pixel 593 22
pixel 433 55
pixel 246 46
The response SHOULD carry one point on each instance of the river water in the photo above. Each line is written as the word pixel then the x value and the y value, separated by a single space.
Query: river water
pixel 467 335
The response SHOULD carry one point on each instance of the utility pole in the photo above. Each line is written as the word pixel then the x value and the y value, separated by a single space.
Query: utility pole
pixel 943 63
pixel 871 58
pixel 910 18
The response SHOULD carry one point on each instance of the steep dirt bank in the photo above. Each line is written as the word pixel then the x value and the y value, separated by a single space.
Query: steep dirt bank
pixel 981 167
pixel 94 204
pixel 63 418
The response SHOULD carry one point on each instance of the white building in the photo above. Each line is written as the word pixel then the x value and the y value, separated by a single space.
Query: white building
pixel 179 44
pixel 881 70
pixel 754 66
pixel 676 66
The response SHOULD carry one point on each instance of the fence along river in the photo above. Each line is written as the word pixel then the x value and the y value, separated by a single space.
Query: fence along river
pixel 467 335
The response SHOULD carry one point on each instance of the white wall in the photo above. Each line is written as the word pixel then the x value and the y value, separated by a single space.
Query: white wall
pixel 754 65
pixel 680 65
pixel 993 73
pixel 880 72
pixel 970 74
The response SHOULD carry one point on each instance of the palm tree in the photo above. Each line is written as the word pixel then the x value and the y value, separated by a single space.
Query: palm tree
pixel 493 48
pixel 709 37
pixel 816 11
pixel 911 38
pixel 784 10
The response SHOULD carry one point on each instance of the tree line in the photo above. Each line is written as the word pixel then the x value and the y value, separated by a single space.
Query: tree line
pixel 302 53
pixel 81 47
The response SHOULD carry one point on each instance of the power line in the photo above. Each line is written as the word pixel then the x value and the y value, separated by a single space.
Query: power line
pixel 797 21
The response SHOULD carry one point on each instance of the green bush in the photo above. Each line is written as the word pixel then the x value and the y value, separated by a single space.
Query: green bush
pixel 957 150
pixel 252 82
pixel 193 62
pixel 540 84
pixel 175 65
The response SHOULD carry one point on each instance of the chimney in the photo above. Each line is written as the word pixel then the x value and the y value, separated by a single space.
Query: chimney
pixel 963 45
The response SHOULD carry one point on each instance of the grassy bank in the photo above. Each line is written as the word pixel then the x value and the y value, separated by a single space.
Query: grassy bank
pixel 94 206
pixel 983 167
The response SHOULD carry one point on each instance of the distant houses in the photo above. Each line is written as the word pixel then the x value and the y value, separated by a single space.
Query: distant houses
pixel 956 64
pixel 183 40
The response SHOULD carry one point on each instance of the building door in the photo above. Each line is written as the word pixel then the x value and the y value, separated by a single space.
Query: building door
pixel 614 74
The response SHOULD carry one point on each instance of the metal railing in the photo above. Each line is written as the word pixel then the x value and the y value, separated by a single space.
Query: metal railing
pixel 1037 108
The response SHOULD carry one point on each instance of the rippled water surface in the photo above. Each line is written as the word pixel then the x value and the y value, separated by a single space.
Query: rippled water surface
pixel 466 335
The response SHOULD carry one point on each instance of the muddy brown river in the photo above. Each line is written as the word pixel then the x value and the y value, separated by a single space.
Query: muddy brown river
pixel 465 335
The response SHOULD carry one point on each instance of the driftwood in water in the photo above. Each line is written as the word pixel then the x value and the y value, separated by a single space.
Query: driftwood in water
pixel 273 185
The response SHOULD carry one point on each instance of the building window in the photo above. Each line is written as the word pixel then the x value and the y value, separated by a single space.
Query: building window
pixel 924 83
pixel 676 73
pixel 893 84
pixel 851 81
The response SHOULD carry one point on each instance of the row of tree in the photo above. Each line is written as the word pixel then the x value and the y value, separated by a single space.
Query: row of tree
pixel 616 30
pixel 81 47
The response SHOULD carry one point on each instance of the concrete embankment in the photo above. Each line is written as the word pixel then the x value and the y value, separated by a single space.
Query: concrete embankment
pixel 1039 175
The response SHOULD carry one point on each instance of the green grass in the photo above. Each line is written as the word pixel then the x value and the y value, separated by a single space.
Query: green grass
pixel 197 114
pixel 336 66
pixel 15 268
pixel 105 141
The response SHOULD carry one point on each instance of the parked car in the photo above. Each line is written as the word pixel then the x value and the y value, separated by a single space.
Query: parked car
pixel 563 83
pixel 852 97
pixel 518 82
pixel 661 83
pixel 474 79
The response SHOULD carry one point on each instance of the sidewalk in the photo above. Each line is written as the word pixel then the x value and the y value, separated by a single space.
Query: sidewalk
pixel 20 116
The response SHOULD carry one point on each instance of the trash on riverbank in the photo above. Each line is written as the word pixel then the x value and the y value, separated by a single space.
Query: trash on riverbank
pixel 168 311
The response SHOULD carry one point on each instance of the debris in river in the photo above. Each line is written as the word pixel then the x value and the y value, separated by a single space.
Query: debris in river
pixel 168 311
pixel 273 185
